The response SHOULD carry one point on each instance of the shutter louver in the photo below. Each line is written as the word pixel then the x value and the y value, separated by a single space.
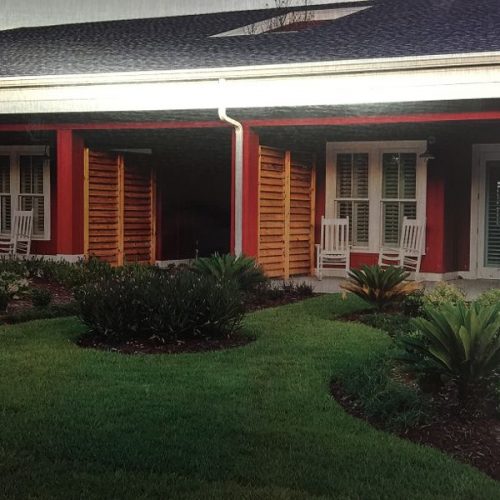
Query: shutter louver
pixel 408 175
pixel 31 190
pixel 344 176
pixel 352 195
pixel 399 181
pixel 492 247
pixel 5 196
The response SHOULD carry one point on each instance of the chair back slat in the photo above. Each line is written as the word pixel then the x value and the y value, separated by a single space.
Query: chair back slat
pixel 334 235
pixel 412 236
pixel 333 251
pixel 22 229
pixel 411 247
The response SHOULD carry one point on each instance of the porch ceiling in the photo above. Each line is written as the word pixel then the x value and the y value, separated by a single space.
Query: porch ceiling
pixel 190 141
pixel 314 138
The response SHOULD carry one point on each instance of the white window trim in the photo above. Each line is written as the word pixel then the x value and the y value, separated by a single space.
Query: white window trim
pixel 375 151
pixel 15 152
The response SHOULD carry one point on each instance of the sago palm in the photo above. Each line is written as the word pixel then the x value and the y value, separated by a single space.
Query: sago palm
pixel 458 341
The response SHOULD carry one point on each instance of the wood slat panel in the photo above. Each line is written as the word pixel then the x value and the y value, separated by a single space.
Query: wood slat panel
pixel 138 214
pixel 286 212
pixel 103 206
pixel 301 244
pixel 119 213
pixel 271 254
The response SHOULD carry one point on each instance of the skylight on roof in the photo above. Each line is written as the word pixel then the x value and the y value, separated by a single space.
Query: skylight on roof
pixel 293 21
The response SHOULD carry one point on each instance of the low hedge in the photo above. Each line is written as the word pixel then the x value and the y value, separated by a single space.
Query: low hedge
pixel 141 302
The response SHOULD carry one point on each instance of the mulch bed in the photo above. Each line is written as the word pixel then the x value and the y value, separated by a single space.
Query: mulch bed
pixel 60 295
pixel 471 437
pixel 155 346
pixel 257 302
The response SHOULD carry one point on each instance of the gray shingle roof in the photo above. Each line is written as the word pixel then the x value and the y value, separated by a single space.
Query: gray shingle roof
pixel 391 28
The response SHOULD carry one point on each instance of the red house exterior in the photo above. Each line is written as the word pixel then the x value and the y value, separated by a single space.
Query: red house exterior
pixel 157 140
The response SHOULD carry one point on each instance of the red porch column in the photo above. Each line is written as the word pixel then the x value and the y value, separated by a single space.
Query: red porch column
pixel 69 199
pixel 250 192
pixel 434 259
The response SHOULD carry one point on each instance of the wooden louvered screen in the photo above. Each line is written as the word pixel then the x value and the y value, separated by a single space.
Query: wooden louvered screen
pixel 286 212
pixel 138 223
pixel 271 253
pixel 103 225
pixel 120 209
pixel 302 194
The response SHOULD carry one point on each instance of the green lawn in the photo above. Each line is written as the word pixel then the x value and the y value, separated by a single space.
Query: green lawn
pixel 255 422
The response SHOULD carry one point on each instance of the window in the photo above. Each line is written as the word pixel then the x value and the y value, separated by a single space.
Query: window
pixel 25 185
pixel 375 185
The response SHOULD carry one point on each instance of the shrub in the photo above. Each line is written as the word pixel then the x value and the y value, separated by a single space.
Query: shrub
pixel 383 399
pixel 12 284
pixel 141 302
pixel 40 297
pixel 302 289
pixel 394 324
pixel 379 287
pixel 457 342
pixel 52 311
pixel 4 300
pixel 413 305
pixel 489 298
pixel 68 274
pixel 244 271
pixel 444 294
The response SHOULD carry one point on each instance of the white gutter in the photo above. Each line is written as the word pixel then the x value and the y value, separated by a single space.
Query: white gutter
pixel 261 71
pixel 238 176
pixel 361 82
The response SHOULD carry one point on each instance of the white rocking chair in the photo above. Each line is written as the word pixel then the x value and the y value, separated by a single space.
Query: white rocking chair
pixel 411 248
pixel 334 249
pixel 19 242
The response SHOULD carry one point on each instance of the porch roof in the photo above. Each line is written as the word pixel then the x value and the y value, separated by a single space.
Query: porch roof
pixel 387 29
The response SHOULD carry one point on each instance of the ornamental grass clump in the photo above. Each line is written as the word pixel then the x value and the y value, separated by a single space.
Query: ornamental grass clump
pixel 457 343
pixel 143 302
pixel 380 287
pixel 243 271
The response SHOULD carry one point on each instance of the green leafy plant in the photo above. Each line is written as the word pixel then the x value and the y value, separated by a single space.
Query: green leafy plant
pixel 141 302
pixel 244 271
pixel 4 300
pixel 489 298
pixel 442 294
pixel 68 274
pixel 458 342
pixel 394 324
pixel 413 304
pixel 51 311
pixel 387 401
pixel 12 284
pixel 379 287
pixel 41 297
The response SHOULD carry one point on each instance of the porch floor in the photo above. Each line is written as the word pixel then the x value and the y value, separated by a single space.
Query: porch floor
pixel 472 288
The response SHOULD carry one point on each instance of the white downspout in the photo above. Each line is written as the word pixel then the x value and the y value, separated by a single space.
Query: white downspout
pixel 238 176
